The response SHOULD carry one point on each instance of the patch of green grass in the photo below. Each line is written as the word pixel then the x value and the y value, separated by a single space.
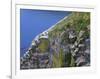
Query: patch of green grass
pixel 44 45
pixel 58 59
pixel 72 63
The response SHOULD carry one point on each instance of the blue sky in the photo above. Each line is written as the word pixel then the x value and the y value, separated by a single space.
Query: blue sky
pixel 33 22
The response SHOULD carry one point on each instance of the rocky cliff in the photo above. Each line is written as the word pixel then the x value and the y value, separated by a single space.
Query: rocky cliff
pixel 66 44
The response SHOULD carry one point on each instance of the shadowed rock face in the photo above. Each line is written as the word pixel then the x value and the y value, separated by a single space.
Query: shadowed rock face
pixel 65 45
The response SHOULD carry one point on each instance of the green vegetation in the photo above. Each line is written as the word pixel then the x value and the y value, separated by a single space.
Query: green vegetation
pixel 72 63
pixel 58 59
pixel 77 20
pixel 44 45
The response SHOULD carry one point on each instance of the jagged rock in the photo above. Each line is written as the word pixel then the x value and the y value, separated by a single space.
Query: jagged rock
pixel 87 51
pixel 71 33
pixel 81 33
pixel 80 60
pixel 65 48
pixel 81 45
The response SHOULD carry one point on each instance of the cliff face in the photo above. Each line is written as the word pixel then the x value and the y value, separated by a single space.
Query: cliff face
pixel 67 44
